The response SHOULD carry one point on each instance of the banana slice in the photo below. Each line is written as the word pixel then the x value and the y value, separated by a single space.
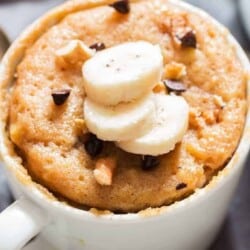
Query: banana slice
pixel 121 122
pixel 123 73
pixel 170 125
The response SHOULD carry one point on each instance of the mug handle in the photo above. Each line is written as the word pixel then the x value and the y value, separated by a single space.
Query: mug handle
pixel 20 222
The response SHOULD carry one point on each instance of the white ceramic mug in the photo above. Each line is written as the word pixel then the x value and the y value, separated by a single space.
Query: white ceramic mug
pixel 188 224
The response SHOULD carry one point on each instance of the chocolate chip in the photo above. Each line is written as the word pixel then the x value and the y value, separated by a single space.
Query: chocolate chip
pixel 188 40
pixel 174 86
pixel 121 6
pixel 60 96
pixel 181 186
pixel 149 162
pixel 93 145
pixel 98 46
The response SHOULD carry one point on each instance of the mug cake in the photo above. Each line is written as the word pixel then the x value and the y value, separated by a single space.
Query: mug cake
pixel 127 105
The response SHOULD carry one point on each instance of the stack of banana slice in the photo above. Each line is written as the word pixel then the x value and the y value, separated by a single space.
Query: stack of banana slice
pixel 120 105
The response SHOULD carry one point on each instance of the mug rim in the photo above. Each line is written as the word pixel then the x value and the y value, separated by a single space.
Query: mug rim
pixel 218 180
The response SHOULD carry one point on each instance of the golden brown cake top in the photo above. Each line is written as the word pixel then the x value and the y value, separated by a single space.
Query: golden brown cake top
pixel 52 143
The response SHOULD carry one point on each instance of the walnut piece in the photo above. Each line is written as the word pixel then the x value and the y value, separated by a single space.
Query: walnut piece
pixel 74 52
pixel 219 101
pixel 81 126
pixel 104 170
pixel 175 71
pixel 16 133
pixel 160 88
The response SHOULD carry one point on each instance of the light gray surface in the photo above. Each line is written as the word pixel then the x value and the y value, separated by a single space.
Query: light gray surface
pixel 228 13
pixel 244 6
pixel 16 15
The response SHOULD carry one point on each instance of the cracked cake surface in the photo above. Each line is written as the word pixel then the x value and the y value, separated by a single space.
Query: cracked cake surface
pixel 49 137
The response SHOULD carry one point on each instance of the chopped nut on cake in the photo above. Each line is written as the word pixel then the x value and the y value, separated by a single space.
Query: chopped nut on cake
pixel 75 51
pixel 104 170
